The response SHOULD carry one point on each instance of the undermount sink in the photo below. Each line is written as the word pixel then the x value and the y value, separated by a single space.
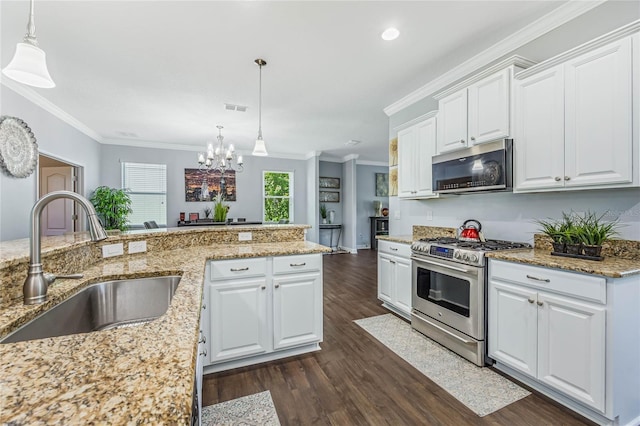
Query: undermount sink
pixel 102 306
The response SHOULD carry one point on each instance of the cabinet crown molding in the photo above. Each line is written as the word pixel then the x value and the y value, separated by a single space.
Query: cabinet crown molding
pixel 416 120
pixel 515 60
pixel 617 34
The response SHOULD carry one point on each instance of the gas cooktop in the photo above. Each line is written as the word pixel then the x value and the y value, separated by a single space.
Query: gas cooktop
pixel 467 252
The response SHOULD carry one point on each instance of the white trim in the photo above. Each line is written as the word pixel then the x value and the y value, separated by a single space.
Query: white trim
pixel 514 60
pixel 312 154
pixel 416 120
pixel 48 106
pixel 350 157
pixel 605 39
pixel 372 163
pixel 564 13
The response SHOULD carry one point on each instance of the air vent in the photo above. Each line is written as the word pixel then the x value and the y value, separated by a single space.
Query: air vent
pixel 233 107
pixel 352 142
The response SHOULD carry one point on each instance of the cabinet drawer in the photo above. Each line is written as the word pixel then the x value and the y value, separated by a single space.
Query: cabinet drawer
pixel 293 264
pixel 586 287
pixel 396 249
pixel 238 268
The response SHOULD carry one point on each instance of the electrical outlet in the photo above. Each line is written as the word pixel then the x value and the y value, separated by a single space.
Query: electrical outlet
pixel 111 250
pixel 137 247
pixel 244 236
pixel 429 215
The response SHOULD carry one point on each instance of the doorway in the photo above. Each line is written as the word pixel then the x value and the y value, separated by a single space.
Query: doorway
pixel 60 216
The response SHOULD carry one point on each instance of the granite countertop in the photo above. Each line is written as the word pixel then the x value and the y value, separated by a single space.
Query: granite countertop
pixel 406 239
pixel 611 267
pixel 141 374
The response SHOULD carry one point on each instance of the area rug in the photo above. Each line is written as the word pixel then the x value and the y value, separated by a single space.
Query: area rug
pixel 251 410
pixel 480 389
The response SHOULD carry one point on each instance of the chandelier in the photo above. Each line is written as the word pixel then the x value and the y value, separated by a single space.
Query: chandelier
pixel 221 158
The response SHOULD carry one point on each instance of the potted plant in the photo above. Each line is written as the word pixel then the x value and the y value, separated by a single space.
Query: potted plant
pixel 112 206
pixel 207 212
pixel 323 213
pixel 219 209
pixel 552 229
pixel 593 232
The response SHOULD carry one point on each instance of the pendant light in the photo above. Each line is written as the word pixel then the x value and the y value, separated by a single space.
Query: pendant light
pixel 260 149
pixel 29 65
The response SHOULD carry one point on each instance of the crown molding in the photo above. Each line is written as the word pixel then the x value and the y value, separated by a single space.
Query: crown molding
pixel 312 154
pixel 416 120
pixel 350 157
pixel 48 106
pixel 515 61
pixel 372 163
pixel 603 40
pixel 543 25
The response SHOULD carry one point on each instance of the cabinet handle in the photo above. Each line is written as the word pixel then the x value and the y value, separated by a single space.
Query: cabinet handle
pixel 567 178
pixel 461 140
pixel 473 138
pixel 204 352
pixel 202 340
pixel 277 286
pixel 531 300
pixel 392 261
pixel 393 248
pixel 298 264
pixel 558 179
pixel 239 269
pixel 539 303
pixel 545 280
pixel 264 287
pixel 204 306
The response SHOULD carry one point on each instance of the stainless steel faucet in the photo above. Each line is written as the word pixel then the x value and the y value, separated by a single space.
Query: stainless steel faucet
pixel 37 282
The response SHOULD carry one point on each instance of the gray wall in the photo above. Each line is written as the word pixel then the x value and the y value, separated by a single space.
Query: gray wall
pixel 249 182
pixel 508 215
pixel 55 138
pixel 349 214
pixel 366 194
pixel 313 213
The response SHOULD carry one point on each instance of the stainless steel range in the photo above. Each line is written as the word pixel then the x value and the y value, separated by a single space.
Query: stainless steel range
pixel 449 281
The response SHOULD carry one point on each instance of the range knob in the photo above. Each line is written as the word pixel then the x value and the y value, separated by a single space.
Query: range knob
pixel 474 258
pixel 457 255
pixel 466 257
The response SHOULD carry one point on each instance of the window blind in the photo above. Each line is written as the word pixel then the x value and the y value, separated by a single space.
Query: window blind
pixel 147 184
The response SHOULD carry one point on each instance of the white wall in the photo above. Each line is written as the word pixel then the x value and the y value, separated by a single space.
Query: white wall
pixel 507 215
pixel 366 194
pixel 55 138
pixel 249 182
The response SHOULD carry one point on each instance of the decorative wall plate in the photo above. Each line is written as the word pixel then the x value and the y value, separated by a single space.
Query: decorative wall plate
pixel 18 147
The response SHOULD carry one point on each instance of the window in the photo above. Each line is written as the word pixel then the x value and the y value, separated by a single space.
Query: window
pixel 278 196
pixel 147 184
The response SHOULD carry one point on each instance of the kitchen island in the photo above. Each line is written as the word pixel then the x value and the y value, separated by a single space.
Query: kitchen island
pixel 143 374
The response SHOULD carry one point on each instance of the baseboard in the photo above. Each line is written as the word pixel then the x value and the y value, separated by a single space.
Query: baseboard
pixel 397 311
pixel 229 365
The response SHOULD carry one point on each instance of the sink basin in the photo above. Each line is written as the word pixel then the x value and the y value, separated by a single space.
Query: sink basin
pixel 102 306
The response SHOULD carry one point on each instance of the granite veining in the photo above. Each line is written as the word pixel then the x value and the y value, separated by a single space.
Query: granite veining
pixel 142 374
pixel 405 239
pixel 480 389
pixel 420 231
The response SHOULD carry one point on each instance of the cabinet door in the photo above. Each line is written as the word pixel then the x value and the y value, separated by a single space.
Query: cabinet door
pixel 539 131
pixel 238 319
pixel 297 310
pixel 426 149
pixel 571 348
pixel 402 298
pixel 407 139
pixel 598 140
pixel 452 123
pixel 386 277
pixel 512 336
pixel 489 102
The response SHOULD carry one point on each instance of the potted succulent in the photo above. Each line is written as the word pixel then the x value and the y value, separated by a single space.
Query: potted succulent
pixel 219 209
pixel 112 206
pixel 323 213
pixel 552 229
pixel 592 232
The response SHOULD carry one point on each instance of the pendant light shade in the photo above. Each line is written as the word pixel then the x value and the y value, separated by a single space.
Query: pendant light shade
pixel 260 149
pixel 29 64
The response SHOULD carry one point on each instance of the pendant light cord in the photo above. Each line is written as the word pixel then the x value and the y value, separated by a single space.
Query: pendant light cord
pixel 30 36
pixel 260 104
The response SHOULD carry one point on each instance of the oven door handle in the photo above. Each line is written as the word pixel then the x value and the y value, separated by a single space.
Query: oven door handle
pixel 466 271
pixel 465 341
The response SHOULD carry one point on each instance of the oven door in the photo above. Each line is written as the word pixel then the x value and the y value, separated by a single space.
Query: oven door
pixel 450 293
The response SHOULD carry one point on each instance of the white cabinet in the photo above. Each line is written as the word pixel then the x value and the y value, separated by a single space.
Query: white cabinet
pixel 574 124
pixel 550 325
pixel 394 277
pixel 476 114
pixel 261 309
pixel 416 147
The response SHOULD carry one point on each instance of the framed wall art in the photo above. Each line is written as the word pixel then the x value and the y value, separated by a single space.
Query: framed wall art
pixel 382 184
pixel 202 186
pixel 330 182
pixel 329 197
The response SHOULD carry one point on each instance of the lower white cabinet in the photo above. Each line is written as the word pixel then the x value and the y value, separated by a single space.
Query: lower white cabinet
pixel 394 276
pixel 262 309
pixel 569 336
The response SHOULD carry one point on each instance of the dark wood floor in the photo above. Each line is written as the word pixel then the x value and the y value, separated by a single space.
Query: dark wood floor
pixel 355 380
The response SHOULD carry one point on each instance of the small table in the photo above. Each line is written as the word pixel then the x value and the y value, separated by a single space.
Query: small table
pixel 331 228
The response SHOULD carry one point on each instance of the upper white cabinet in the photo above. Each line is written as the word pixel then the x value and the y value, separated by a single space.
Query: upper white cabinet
pixel 416 147
pixel 478 109
pixel 574 123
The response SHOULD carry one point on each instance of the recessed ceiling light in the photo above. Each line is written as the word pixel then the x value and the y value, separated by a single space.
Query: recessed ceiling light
pixel 390 34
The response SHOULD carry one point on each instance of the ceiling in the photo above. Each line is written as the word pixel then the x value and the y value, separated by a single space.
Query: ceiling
pixel 159 72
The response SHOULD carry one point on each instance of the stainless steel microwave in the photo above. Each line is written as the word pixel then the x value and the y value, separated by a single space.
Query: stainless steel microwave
pixel 485 167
